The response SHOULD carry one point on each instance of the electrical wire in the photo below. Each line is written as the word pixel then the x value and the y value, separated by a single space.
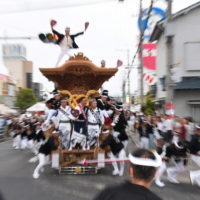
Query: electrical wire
pixel 26 9
pixel 142 30
pixel 55 7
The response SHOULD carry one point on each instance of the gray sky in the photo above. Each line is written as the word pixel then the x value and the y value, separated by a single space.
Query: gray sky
pixel 113 29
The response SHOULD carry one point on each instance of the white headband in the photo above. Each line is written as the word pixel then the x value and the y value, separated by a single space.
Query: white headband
pixel 177 145
pixel 146 161
pixel 55 132
pixel 64 100
pixel 118 109
pixel 197 126
pixel 106 131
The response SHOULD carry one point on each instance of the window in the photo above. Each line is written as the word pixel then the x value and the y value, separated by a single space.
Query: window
pixel 29 80
pixel 192 56
pixel 11 90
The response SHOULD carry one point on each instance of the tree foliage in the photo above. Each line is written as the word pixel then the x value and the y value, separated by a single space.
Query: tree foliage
pixel 25 98
pixel 149 106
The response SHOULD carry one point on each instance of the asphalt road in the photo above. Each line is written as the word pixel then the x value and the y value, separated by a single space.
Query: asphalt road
pixel 16 182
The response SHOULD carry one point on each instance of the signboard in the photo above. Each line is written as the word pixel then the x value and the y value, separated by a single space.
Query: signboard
pixel 157 14
pixel 149 55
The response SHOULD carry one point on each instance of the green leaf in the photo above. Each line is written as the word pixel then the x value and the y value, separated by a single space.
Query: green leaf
pixel 25 98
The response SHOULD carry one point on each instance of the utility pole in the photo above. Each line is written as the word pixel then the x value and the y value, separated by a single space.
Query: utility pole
pixel 128 78
pixel 141 59
pixel 124 90
pixel 169 56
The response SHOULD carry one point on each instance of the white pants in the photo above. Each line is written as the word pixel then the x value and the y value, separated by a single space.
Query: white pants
pixel 93 133
pixel 152 139
pixel 125 143
pixel 195 175
pixel 43 160
pixel 134 137
pixel 121 155
pixel 144 143
pixel 30 144
pixel 24 143
pixel 176 170
pixel 78 138
pixel 161 171
pixel 65 129
pixel 17 142
pixel 63 52
pixel 36 146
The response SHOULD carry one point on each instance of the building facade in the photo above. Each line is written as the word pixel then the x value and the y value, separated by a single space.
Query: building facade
pixel 185 31
pixel 8 90
pixel 19 74
pixel 14 56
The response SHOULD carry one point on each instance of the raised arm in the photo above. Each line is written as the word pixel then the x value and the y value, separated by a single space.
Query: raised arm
pixel 52 24
pixel 81 33
pixel 77 34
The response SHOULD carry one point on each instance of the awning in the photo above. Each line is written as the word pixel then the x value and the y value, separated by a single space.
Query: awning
pixel 40 106
pixel 6 110
pixel 193 102
pixel 189 83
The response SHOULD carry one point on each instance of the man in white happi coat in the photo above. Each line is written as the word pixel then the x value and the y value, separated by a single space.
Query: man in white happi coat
pixel 49 113
pixel 194 148
pixel 95 122
pixel 63 122
pixel 66 41
pixel 39 138
pixel 102 102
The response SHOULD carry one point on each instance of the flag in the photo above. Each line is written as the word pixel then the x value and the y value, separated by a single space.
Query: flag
pixel 53 22
pixel 149 56
pixel 149 78
pixel 86 25
pixel 119 63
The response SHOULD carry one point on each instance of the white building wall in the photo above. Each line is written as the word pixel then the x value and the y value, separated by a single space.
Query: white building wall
pixel 186 29
pixel 182 108
pixel 161 65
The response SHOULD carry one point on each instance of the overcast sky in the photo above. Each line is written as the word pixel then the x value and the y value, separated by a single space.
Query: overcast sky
pixel 113 29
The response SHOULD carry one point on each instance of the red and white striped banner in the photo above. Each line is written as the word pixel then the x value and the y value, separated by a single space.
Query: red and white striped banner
pixel 149 78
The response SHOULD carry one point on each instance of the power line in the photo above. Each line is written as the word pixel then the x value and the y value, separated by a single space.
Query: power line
pixel 142 30
pixel 50 7
pixel 139 48
pixel 19 38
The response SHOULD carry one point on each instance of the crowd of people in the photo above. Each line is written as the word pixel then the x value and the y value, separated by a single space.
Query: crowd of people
pixel 176 139
pixel 105 122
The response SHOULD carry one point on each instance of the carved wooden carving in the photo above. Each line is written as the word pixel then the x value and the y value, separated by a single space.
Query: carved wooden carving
pixel 78 75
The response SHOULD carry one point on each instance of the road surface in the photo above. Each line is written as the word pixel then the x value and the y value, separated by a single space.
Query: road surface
pixel 16 182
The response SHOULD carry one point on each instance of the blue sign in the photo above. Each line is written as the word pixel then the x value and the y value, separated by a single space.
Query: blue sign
pixel 157 14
